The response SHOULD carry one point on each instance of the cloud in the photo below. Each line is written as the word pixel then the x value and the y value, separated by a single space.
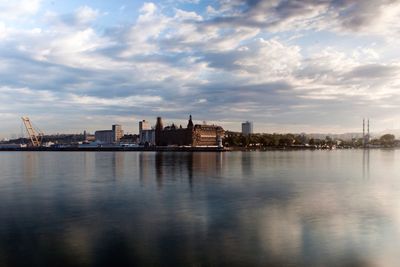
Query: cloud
pixel 374 71
pixel 81 18
pixel 337 15
pixel 18 9
pixel 86 14
pixel 232 61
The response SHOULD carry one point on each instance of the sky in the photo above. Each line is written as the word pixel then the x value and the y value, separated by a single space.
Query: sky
pixel 287 65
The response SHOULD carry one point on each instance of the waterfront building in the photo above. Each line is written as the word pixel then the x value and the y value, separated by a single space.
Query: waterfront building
pixel 110 136
pixel 247 128
pixel 192 135
pixel 144 125
pixel 146 134
pixel 148 137
pixel 118 132
pixel 129 139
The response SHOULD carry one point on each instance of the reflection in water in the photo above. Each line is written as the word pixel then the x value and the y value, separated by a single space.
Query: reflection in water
pixel 182 166
pixel 247 164
pixel 109 166
pixel 366 164
pixel 299 208
pixel 30 166
pixel 159 169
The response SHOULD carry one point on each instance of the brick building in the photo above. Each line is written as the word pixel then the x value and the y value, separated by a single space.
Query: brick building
pixel 193 135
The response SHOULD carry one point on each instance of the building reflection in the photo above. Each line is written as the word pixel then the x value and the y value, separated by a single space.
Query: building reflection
pixel 145 159
pixel 247 164
pixel 179 166
pixel 109 165
pixel 159 169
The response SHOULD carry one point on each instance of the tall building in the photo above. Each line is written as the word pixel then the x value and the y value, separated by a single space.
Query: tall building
pixel 118 132
pixel 159 130
pixel 146 134
pixel 247 128
pixel 143 125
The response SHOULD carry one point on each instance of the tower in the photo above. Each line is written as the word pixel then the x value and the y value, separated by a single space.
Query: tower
pixel 363 134
pixel 363 128
pixel 366 136
pixel 190 123
pixel 159 129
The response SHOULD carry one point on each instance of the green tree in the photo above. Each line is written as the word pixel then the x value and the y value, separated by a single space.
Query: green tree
pixel 387 140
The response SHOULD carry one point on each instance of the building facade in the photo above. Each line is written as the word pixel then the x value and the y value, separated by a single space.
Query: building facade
pixel 110 136
pixel 192 135
pixel 146 134
pixel 104 136
pixel 144 125
pixel 118 132
pixel 148 137
pixel 247 128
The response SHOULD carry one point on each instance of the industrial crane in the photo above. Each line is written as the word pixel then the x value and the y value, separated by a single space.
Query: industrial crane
pixel 35 136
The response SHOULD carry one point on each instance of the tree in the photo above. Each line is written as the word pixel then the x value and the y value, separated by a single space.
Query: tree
pixel 387 140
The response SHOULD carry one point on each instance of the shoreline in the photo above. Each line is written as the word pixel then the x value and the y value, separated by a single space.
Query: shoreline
pixel 178 149
pixel 119 149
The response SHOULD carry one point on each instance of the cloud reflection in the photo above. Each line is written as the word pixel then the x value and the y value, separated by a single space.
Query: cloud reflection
pixel 199 209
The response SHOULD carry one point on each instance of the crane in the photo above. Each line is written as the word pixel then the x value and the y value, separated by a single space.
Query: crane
pixel 35 136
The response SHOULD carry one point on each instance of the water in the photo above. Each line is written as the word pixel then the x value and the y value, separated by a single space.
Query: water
pixel 303 208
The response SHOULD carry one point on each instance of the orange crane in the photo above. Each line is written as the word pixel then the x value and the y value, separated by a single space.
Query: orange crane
pixel 35 136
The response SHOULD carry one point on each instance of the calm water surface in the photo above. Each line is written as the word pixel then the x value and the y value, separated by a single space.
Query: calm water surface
pixel 320 208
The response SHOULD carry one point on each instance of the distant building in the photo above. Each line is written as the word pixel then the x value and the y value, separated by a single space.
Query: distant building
pixel 110 136
pixel 118 132
pixel 144 125
pixel 130 139
pixel 104 136
pixel 193 135
pixel 247 128
pixel 148 137
pixel 146 134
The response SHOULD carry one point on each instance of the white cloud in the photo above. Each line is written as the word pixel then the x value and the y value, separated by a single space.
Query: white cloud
pixel 148 26
pixel 232 63
pixel 97 102
pixel 17 9
pixel 268 60
pixel 85 14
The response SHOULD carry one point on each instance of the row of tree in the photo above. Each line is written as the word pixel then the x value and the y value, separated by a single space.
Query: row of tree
pixel 292 140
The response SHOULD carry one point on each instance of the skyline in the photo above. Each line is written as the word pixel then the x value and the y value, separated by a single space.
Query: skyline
pixel 288 66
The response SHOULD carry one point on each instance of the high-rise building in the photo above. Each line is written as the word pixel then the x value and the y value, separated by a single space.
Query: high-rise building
pixel 247 128
pixel 118 132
